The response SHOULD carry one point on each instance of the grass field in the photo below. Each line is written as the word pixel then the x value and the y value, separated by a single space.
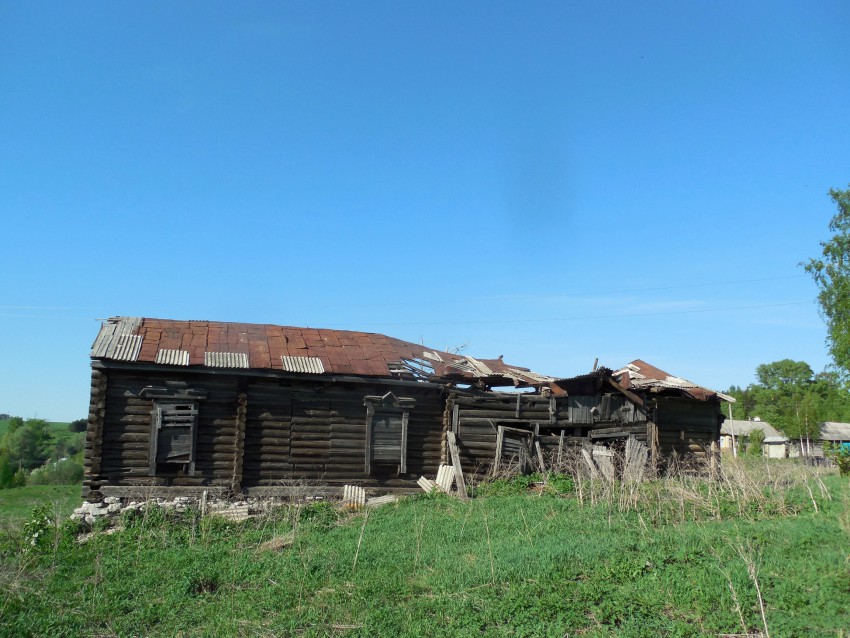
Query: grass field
pixel 17 504
pixel 508 563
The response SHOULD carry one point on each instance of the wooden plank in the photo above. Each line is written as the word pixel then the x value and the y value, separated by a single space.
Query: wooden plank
pixel 605 463
pixel 539 456
pixel 504 415
pixel 500 438
pixel 461 482
pixel 560 448
pixel 588 459
pixel 403 465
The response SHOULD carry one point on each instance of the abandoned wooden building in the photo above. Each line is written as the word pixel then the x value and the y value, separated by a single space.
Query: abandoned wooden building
pixel 601 409
pixel 243 408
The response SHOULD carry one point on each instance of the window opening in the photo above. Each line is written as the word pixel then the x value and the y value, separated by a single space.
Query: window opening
pixel 387 419
pixel 174 434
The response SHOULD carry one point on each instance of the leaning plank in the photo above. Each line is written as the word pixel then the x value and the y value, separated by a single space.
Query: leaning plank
pixel 605 462
pixel 636 456
pixel 594 472
pixel 461 483
pixel 539 455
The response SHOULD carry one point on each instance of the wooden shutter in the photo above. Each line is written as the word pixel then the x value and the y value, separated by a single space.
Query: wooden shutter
pixel 174 435
pixel 388 439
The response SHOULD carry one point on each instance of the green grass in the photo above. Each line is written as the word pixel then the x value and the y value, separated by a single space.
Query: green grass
pixel 17 504
pixel 508 564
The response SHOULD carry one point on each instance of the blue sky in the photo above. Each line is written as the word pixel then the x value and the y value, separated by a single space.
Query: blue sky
pixel 554 182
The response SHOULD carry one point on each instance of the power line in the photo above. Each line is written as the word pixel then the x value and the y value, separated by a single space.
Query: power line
pixel 432 302
pixel 589 317
pixel 596 293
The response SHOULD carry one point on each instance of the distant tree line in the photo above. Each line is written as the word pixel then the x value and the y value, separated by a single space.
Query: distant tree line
pixel 792 398
pixel 30 453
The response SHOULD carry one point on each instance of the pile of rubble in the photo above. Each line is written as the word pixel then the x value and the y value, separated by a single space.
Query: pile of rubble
pixel 113 507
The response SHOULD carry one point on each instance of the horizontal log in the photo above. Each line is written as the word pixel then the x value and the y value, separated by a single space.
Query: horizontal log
pixel 527 401
pixel 597 433
pixel 537 415
pixel 266 441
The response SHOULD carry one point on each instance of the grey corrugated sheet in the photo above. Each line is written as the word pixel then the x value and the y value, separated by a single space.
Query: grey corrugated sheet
pixel 310 365
pixel 172 357
pixel 539 378
pixel 734 427
pixel 834 431
pixel 226 359
pixel 125 348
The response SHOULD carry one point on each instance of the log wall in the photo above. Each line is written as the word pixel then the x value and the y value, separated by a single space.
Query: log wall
pixel 687 427
pixel 264 433
pixel 255 432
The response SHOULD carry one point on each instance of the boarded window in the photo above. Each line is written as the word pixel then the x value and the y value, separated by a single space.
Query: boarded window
pixel 386 432
pixel 173 434
pixel 389 434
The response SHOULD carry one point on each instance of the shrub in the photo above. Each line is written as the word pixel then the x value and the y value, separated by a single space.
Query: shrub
pixel 80 425
pixel 37 530
pixel 754 444
pixel 840 454
pixel 62 472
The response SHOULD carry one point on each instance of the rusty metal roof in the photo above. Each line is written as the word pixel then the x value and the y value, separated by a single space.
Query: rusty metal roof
pixel 640 375
pixel 291 349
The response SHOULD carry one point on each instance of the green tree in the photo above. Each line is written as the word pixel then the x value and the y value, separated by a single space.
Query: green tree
pixel 831 272
pixel 754 442
pixel 15 423
pixel 784 373
pixel 80 425
pixel 792 399
pixel 7 470
pixel 31 445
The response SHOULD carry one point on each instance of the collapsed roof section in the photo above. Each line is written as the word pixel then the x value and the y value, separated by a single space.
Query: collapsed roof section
pixel 641 376
pixel 210 344
pixel 636 380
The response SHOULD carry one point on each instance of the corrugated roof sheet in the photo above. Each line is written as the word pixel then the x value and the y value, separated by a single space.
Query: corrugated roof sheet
pixel 736 427
pixel 225 359
pixel 126 347
pixel 834 431
pixel 303 350
pixel 310 365
pixel 173 357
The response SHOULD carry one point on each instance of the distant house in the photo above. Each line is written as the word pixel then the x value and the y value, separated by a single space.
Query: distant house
pixel 835 433
pixel 183 407
pixel 813 446
pixel 774 446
